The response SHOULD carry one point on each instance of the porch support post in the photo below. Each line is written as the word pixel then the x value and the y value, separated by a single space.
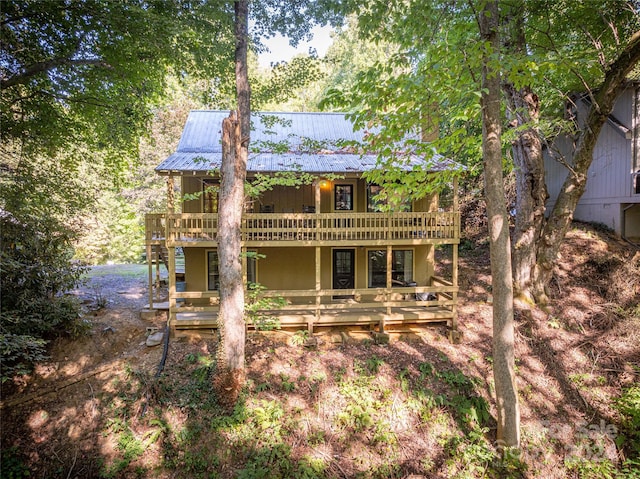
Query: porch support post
pixel 244 267
pixel 317 220
pixel 455 337
pixel 158 256
pixel 171 256
pixel 454 265
pixel 455 194
pixel 389 294
pixel 456 232
pixel 150 267
pixel 243 259
pixel 318 288
pixel 171 196
pixel 172 284
pixel 317 195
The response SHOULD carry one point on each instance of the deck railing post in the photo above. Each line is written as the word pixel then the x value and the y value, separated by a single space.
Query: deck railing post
pixel 157 252
pixel 172 284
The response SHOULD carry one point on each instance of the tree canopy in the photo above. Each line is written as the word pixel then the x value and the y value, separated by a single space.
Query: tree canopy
pixel 88 71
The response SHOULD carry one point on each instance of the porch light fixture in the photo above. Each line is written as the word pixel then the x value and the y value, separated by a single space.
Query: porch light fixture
pixel 324 184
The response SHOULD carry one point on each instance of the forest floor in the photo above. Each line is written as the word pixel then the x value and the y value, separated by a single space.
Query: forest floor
pixel 416 407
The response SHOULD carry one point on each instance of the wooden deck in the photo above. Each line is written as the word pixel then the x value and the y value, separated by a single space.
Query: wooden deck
pixel 373 317
pixel 308 229
pixel 311 309
pixel 376 308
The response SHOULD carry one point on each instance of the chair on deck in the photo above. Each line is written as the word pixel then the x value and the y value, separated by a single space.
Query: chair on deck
pixel 266 208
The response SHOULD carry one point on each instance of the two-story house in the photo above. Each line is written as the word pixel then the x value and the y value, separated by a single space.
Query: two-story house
pixel 322 243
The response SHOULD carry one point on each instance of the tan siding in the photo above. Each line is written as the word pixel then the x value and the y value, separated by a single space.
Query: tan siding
pixel 287 268
pixel 361 267
pixel 190 185
pixel 361 196
pixel 326 256
pixel 287 199
pixel 428 203
pixel 195 265
pixel 326 199
pixel 424 265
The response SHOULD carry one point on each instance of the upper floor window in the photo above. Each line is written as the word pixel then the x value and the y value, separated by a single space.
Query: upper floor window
pixel 210 196
pixel 343 197
pixel 377 203
pixel 374 203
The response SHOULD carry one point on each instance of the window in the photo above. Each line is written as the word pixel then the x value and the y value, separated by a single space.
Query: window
pixel 209 196
pixel 344 197
pixel 213 274
pixel 213 282
pixel 252 266
pixel 401 268
pixel 375 204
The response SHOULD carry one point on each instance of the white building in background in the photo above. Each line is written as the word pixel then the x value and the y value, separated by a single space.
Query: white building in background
pixel 612 195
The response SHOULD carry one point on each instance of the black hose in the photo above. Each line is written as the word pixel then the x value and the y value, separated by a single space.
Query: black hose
pixel 163 360
pixel 164 352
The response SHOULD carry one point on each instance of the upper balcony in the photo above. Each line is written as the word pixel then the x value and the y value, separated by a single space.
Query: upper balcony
pixel 308 229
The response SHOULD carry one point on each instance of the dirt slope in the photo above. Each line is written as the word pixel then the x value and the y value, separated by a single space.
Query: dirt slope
pixel 72 416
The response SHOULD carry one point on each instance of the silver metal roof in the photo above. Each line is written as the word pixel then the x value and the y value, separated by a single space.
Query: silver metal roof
pixel 315 144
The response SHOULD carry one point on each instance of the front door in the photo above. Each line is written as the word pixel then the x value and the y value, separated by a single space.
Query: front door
pixel 344 271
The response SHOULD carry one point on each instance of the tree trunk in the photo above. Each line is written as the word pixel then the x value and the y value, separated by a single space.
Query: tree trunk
pixel 523 108
pixel 560 218
pixel 233 172
pixel 531 191
pixel 502 285
pixel 243 90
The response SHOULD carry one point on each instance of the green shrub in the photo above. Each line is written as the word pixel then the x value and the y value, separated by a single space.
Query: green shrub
pixel 628 405
pixel 37 269
pixel 18 353
pixel 12 464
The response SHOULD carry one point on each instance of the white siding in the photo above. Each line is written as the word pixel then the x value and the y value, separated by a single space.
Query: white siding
pixel 610 173
pixel 609 182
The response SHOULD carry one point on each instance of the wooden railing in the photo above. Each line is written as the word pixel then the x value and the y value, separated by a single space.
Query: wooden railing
pixel 441 295
pixel 155 227
pixel 308 227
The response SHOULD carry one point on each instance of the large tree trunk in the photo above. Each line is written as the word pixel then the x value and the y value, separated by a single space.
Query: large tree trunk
pixel 502 285
pixel 523 108
pixel 230 374
pixel 531 191
pixel 561 216
pixel 233 172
